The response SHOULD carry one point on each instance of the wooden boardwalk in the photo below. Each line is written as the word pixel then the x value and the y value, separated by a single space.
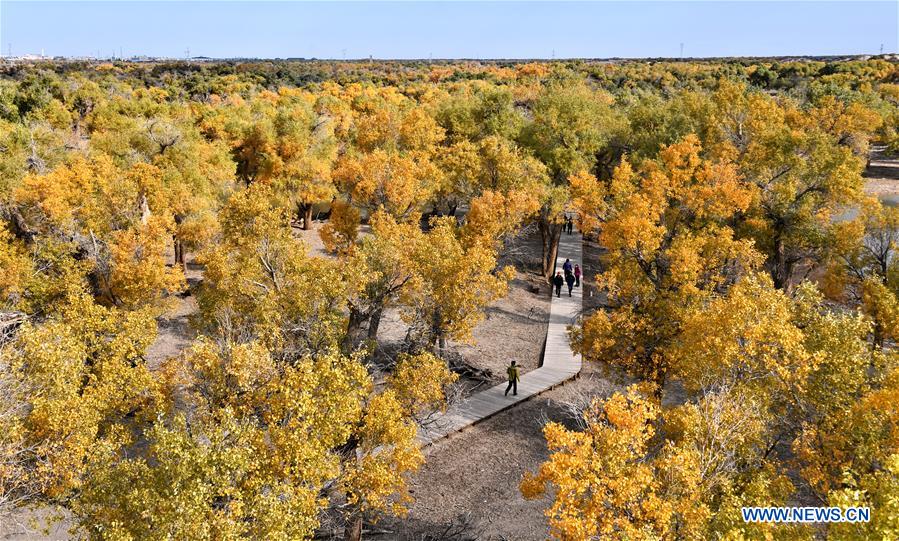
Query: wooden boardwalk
pixel 559 364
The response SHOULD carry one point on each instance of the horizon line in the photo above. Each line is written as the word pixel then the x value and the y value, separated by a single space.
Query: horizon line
pixel 146 57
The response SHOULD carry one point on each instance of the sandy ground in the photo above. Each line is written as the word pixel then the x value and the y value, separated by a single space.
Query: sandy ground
pixel 882 174
pixel 313 239
pixel 32 526
pixel 515 326
pixel 175 331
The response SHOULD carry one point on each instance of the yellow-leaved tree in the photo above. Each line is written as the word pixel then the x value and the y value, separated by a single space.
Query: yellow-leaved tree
pixel 862 268
pixel 382 267
pixel 263 448
pixel 805 163
pixel 634 473
pixel 76 380
pixel 822 389
pixel 453 280
pixel 102 215
pixel 570 125
pixel 669 245
pixel 259 283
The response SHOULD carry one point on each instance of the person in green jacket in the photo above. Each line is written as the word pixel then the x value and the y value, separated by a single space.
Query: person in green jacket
pixel 513 379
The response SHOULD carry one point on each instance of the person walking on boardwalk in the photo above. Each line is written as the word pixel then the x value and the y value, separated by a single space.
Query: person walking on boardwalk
pixel 577 276
pixel 512 371
pixel 558 281
pixel 568 224
pixel 567 267
pixel 569 279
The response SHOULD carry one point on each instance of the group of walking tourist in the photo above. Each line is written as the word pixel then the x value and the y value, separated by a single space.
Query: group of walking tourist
pixel 572 277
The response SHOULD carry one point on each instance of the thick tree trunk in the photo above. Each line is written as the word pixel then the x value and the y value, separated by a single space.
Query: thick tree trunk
pixel 549 234
pixel 661 377
pixel 179 253
pixel 878 336
pixel 306 215
pixel 354 332
pixel 781 268
pixel 20 228
pixel 353 531
pixel 373 323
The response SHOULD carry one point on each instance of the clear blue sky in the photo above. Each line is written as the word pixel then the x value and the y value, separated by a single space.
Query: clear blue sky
pixel 449 30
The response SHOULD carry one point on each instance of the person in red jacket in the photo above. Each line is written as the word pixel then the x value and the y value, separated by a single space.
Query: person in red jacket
pixel 577 276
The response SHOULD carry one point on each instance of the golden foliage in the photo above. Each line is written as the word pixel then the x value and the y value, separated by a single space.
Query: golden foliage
pixel 252 275
pixel 670 247
pixel 620 479
pixel 339 234
pixel 453 280
pixel 85 377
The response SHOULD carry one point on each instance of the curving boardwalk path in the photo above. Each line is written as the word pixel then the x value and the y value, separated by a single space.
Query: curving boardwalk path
pixel 560 364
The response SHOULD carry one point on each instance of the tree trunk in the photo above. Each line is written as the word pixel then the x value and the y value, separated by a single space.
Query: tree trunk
pixel 780 271
pixel 179 253
pixel 353 531
pixel 549 235
pixel 373 323
pixel 20 228
pixel 354 335
pixel 878 336
pixel 661 377
pixel 437 339
pixel 440 347
pixel 306 215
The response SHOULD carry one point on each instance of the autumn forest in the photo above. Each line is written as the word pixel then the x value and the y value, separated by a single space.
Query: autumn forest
pixel 738 338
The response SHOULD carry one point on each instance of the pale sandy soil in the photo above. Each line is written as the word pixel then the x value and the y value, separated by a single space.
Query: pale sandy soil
pixel 882 175
pixel 313 240
pixel 515 326
pixel 33 526
pixel 475 473
pixel 175 332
